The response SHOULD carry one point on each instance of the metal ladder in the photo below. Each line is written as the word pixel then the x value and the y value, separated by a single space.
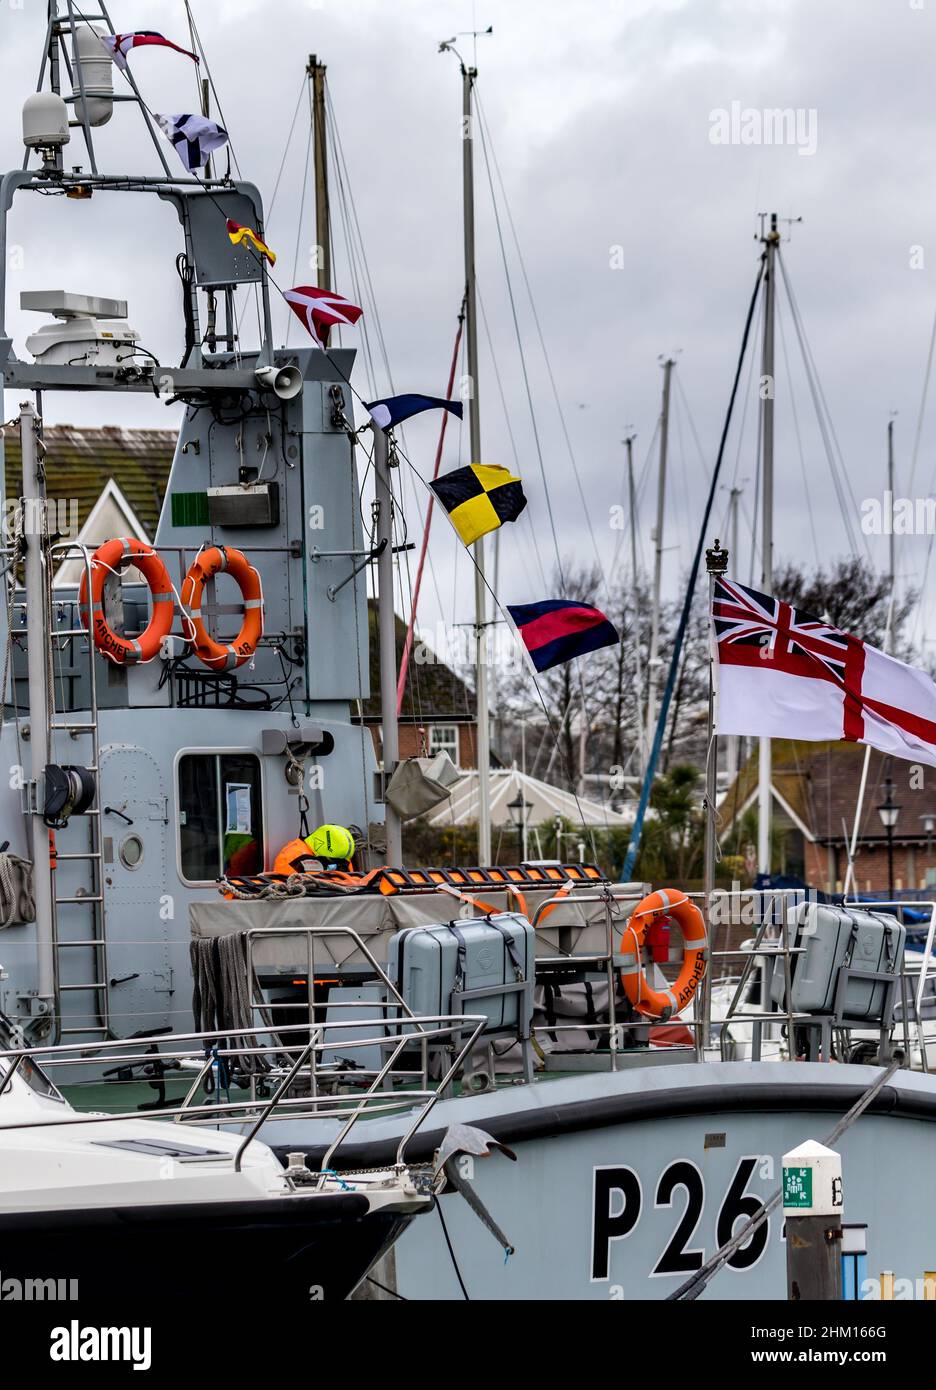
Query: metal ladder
pixel 94 940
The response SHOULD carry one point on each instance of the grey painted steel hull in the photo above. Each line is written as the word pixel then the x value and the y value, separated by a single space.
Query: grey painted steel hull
pixel 626 1182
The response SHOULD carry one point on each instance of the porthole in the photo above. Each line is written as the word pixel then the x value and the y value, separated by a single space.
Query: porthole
pixel 131 851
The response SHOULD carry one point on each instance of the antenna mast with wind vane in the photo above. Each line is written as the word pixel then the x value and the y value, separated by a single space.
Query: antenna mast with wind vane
pixel 469 76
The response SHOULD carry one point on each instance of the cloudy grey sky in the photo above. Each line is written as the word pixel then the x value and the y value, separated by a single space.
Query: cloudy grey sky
pixel 637 230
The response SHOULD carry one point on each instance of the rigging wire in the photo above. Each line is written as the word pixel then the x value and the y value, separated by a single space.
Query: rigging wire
pixel 919 428
pixel 487 141
pixel 525 522
pixel 690 589
pixel 625 495
pixel 799 445
pixel 356 394
pixel 523 364
pixel 840 475
pixel 286 148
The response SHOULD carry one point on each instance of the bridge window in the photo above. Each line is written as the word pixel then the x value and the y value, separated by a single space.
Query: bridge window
pixel 220 816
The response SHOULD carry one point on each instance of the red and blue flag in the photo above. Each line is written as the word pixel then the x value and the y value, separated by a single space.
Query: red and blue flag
pixel 558 629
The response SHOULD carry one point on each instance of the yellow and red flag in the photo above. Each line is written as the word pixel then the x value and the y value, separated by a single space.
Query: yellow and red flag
pixel 239 235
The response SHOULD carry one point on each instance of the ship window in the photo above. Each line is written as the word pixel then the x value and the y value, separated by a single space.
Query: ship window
pixel 220 820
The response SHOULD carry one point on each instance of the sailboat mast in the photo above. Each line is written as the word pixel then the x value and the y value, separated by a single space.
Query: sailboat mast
pixel 767 392
pixel 890 488
pixel 474 419
pixel 654 662
pixel 638 680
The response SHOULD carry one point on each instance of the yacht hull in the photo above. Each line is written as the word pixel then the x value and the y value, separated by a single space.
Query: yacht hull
pixel 306 1250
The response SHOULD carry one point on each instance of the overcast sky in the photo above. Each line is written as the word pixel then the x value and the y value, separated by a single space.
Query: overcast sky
pixel 637 228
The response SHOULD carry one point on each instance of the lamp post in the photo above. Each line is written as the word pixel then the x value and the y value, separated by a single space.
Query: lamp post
pixel 519 810
pixel 889 810
pixel 929 825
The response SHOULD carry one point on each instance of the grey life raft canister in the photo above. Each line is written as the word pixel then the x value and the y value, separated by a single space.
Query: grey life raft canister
pixel 836 938
pixel 474 966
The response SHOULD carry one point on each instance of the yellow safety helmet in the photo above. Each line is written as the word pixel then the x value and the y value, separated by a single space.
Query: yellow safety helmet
pixel 331 842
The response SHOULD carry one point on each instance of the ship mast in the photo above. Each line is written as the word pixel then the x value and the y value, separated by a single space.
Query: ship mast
pixel 469 76
pixel 770 240
pixel 35 569
pixel 474 418
pixel 316 74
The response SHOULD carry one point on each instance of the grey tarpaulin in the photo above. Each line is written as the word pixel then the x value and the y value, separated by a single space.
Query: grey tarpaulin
pixel 573 928
pixel 419 785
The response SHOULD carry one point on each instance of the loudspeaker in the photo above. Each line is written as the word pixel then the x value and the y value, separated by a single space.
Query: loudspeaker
pixel 285 381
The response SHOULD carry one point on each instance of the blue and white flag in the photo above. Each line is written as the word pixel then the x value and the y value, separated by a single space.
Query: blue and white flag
pixel 393 410
pixel 195 138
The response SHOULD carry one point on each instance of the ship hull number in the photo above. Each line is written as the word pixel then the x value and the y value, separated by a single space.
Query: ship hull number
pixel 618 1203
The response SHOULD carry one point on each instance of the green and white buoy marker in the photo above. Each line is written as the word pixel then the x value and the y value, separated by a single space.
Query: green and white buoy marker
pixel 812 1181
pixel 812 1207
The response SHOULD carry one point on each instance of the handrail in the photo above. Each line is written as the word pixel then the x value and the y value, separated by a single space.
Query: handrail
pixel 374 1100
pixel 310 932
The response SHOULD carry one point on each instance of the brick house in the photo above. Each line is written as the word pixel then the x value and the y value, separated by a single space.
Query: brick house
pixel 815 789
pixel 438 710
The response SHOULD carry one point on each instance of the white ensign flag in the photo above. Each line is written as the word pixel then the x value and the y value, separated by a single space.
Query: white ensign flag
pixel 785 674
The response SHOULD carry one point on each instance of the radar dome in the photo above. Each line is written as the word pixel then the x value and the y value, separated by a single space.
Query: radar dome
pixel 45 121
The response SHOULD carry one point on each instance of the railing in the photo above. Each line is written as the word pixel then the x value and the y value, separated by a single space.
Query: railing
pixel 396 1013
pixel 772 943
pixel 213 1052
pixel 768 911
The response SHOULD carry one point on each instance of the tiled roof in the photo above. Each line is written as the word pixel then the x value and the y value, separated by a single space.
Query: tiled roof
pixel 820 781
pixel 433 690
pixel 80 461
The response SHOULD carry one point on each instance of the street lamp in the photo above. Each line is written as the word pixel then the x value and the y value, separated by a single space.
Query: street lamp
pixel 889 810
pixel 519 810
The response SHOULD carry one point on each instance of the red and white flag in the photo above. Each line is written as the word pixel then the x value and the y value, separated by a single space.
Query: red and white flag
pixel 317 309
pixel 119 45
pixel 784 674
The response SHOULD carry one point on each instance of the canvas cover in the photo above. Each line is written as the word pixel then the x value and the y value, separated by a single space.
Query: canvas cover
pixel 419 785
pixel 573 928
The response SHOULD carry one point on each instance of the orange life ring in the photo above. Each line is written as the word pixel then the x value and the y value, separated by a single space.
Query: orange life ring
pixel 110 558
pixel 209 562
pixel 665 902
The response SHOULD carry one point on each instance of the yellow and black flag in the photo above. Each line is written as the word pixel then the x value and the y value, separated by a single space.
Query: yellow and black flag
pixel 479 498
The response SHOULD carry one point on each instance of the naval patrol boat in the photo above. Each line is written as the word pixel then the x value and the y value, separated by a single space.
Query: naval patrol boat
pixel 165 741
